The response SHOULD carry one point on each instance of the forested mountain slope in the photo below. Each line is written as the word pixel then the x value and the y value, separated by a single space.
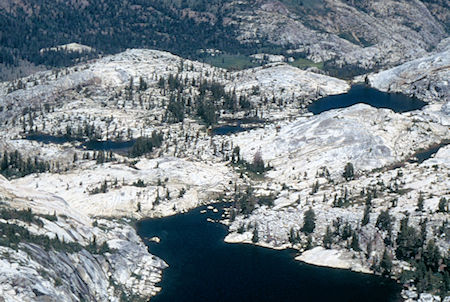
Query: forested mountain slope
pixel 349 37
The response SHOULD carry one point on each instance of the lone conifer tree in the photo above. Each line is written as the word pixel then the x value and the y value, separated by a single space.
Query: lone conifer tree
pixel 349 172
pixel 420 202
pixel 258 163
pixel 255 237
pixel 309 222
pixel 328 238
pixel 386 264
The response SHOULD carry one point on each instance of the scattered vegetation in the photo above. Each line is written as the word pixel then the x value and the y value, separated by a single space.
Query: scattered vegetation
pixel 22 215
pixel 256 168
pixel 245 202
pixel 430 274
pixel 103 188
pixel 11 234
pixel 139 183
pixel 294 236
pixel 303 63
pixel 230 61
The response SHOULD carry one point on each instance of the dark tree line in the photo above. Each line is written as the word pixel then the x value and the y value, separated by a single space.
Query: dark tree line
pixel 144 144
pixel 431 267
pixel 113 26
pixel 14 164
pixel 12 234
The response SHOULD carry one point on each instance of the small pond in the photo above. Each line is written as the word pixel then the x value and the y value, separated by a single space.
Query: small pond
pixel 228 129
pixel 93 145
pixel 423 155
pixel 50 139
pixel 108 145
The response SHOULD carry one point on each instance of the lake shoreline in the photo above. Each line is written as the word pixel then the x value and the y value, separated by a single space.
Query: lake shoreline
pixel 288 253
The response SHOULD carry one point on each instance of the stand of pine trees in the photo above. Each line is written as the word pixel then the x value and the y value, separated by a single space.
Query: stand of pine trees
pixel 14 164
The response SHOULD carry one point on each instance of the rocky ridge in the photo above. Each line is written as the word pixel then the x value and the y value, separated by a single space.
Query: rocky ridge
pixel 425 78
pixel 367 34
pixel 75 268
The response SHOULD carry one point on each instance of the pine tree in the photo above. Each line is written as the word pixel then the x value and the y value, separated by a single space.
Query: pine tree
pixel 384 221
pixel 258 163
pixel 432 256
pixel 255 237
pixel 366 216
pixel 309 223
pixel 101 157
pixel 349 172
pixel 315 188
pixel 328 238
pixel 142 84
pixel 386 264
pixel 443 205
pixel 161 83
pixel 408 241
pixel 309 243
pixel 355 242
pixel 420 202
pixel 292 236
pixel 157 198
pixel 346 231
pixel 235 156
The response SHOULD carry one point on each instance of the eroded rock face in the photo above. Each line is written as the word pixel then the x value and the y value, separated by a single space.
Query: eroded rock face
pixel 368 137
pixel 364 34
pixel 426 78
pixel 286 82
pixel 36 272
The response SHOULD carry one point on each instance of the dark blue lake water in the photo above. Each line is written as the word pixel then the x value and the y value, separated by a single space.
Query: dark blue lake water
pixel 108 145
pixel 363 94
pixel 204 268
pixel 228 129
pixel 93 145
pixel 428 153
pixel 49 139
